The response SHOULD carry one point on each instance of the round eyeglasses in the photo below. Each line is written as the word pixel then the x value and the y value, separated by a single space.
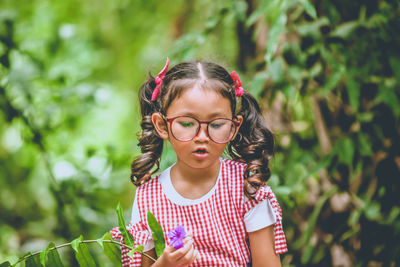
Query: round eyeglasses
pixel 219 130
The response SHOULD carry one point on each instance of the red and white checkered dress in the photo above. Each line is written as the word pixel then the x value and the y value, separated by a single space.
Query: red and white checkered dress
pixel 217 223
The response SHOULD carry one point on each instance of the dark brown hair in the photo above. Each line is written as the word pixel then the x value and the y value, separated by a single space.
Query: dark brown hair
pixel 253 145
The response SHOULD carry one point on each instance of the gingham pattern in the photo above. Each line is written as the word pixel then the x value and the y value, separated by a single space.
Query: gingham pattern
pixel 217 223
pixel 140 235
pixel 265 192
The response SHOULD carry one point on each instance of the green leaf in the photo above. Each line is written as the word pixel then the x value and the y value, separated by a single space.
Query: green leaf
pixel 309 8
pixel 362 15
pixel 389 97
pixel 258 82
pixel 122 228
pixel 53 258
pixel 306 235
pixel 277 28
pixel 345 29
pixel 239 8
pixel 139 249
pixel 100 240
pixel 75 243
pixel 212 22
pixel 365 145
pixel 130 254
pixel 330 58
pixel 372 211
pixel 33 261
pixel 395 64
pixel 394 213
pixel 283 190
pixel 305 257
pixel 84 258
pixel 350 233
pixel 345 151
pixel 276 70
pixel 321 164
pixel 334 79
pixel 353 90
pixel 82 253
pixel 5 264
pixel 354 217
pixel 111 250
pixel 43 255
pixel 256 14
pixel 157 232
pixel 365 116
pixel 311 28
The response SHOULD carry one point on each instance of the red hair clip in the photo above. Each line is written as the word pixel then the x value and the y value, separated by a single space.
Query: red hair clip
pixel 159 80
pixel 238 84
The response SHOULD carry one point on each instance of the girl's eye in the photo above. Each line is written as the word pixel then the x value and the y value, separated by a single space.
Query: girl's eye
pixel 216 125
pixel 186 124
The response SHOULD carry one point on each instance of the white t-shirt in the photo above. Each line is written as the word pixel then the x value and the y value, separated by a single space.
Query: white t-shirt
pixel 260 216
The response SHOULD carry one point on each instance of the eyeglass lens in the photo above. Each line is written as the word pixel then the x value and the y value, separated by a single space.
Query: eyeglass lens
pixel 186 128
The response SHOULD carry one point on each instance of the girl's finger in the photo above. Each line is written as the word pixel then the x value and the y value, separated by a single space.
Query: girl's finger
pixel 189 257
pixel 196 255
pixel 188 238
pixel 169 249
pixel 182 251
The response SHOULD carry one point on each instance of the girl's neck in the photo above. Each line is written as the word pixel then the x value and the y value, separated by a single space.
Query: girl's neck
pixel 194 183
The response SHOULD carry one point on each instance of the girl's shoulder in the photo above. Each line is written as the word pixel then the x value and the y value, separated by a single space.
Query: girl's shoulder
pixel 151 184
pixel 233 168
pixel 155 183
pixel 231 162
pixel 233 171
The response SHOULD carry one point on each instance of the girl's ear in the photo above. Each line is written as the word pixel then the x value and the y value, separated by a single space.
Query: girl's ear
pixel 239 119
pixel 160 125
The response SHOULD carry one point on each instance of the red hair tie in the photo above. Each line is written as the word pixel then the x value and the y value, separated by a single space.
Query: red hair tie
pixel 238 84
pixel 159 80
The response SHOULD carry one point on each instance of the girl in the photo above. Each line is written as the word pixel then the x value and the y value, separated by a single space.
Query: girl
pixel 233 217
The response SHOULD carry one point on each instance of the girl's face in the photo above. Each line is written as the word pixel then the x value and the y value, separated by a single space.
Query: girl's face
pixel 204 105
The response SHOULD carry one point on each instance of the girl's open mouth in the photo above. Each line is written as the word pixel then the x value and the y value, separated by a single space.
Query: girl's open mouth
pixel 200 153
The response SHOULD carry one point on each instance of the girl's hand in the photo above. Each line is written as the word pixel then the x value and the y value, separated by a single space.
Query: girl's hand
pixel 179 258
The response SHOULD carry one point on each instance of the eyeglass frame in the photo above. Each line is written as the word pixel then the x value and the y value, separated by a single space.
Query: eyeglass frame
pixel 170 120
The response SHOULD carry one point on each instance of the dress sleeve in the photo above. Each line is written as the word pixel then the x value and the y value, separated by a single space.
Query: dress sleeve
pixel 140 235
pixel 135 219
pixel 265 193
pixel 260 216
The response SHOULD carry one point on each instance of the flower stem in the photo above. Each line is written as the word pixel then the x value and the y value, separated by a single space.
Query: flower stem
pixel 84 241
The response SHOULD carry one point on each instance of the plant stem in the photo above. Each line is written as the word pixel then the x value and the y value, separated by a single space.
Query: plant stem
pixel 84 241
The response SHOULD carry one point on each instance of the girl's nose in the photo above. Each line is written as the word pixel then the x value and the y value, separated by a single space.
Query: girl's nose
pixel 202 135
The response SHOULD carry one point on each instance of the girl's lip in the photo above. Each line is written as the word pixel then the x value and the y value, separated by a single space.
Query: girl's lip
pixel 200 155
pixel 201 148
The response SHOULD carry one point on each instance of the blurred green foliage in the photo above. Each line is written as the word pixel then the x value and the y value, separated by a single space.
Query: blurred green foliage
pixel 327 74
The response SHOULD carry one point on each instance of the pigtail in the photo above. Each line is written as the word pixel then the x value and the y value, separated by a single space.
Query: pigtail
pixel 254 145
pixel 150 143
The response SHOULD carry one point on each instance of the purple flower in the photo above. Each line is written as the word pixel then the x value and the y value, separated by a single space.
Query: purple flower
pixel 176 236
